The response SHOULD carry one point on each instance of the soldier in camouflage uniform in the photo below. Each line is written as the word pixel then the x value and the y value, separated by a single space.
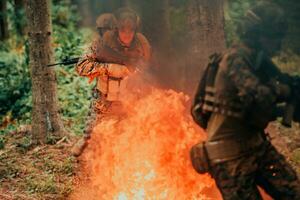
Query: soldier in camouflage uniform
pixel 128 49
pixel 235 102
pixel 105 22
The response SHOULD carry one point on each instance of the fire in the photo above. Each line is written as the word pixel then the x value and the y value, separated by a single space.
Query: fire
pixel 146 154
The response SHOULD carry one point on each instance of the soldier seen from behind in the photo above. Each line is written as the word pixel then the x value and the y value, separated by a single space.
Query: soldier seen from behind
pixel 121 52
pixel 236 99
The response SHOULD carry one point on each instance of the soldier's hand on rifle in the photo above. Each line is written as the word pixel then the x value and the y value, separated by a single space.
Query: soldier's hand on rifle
pixel 117 70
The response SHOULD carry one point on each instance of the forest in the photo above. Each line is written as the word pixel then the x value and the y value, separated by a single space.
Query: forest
pixel 36 136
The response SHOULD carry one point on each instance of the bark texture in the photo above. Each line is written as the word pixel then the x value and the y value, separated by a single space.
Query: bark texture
pixel 45 116
pixel 206 36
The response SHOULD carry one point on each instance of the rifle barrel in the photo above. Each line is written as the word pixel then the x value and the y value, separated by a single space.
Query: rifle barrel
pixel 66 62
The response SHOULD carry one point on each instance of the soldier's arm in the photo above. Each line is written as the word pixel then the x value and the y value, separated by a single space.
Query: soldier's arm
pixel 250 88
pixel 88 65
pixel 146 46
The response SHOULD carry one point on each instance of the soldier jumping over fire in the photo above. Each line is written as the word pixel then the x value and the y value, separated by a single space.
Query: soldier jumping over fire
pixel 115 56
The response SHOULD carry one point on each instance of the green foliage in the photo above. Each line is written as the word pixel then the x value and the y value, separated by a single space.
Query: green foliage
pixel 73 91
pixel 235 9
pixel 47 185
pixel 69 41
pixel 14 79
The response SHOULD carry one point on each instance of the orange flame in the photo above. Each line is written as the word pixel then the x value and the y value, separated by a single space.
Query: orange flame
pixel 146 154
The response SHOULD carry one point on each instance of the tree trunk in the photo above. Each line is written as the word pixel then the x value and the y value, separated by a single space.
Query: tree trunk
pixel 20 21
pixel 84 8
pixel 3 21
pixel 206 25
pixel 45 116
pixel 155 25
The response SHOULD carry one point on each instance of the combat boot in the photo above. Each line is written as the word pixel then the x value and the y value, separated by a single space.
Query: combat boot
pixel 79 146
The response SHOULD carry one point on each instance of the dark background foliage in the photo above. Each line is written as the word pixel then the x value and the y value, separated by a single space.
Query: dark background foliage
pixel 72 31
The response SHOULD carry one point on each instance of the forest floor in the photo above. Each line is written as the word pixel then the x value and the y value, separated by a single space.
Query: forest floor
pixel 50 172
pixel 30 173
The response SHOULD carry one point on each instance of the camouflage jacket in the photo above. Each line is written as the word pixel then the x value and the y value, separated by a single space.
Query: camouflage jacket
pixel 96 63
pixel 247 80
pixel 92 65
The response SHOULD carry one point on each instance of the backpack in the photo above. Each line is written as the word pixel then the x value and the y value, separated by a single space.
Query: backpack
pixel 200 116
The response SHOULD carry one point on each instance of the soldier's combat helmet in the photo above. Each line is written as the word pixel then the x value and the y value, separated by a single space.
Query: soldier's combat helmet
pixel 262 20
pixel 106 21
pixel 126 17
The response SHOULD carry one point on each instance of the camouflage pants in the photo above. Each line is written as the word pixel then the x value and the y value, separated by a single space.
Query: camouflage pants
pixel 238 179
pixel 100 109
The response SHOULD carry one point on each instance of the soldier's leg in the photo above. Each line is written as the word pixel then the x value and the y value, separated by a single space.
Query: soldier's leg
pixel 89 125
pixel 236 179
pixel 277 176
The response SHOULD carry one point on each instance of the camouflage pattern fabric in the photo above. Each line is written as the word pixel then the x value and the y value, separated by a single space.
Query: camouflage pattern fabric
pixel 101 109
pixel 245 76
pixel 250 87
pixel 89 67
pixel 238 179
pixel 139 47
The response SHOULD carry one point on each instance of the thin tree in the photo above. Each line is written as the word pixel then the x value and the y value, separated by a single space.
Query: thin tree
pixel 45 117
pixel 3 20
pixel 206 36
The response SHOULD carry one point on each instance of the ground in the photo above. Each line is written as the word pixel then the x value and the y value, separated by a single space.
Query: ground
pixel 42 172
pixel 50 172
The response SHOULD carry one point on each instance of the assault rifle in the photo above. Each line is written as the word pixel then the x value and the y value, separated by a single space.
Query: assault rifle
pixel 107 55
pixel 291 111
pixel 67 61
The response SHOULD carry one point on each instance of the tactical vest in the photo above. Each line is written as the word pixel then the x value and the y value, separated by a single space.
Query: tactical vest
pixel 221 95
pixel 136 48
pixel 219 92
pixel 215 93
pixel 113 86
